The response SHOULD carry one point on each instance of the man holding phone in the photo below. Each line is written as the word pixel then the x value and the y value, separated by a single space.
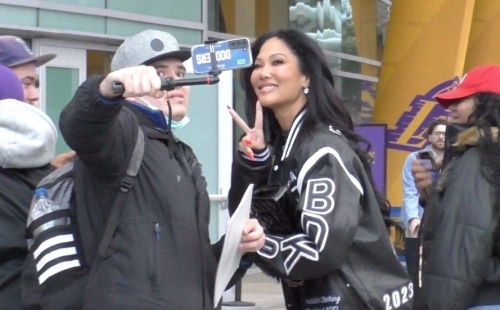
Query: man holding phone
pixel 411 211
pixel 163 229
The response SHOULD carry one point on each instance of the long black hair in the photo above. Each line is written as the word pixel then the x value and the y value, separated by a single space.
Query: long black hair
pixel 324 106
pixel 485 116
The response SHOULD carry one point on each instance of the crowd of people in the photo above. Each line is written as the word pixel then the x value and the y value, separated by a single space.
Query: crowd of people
pixel 318 224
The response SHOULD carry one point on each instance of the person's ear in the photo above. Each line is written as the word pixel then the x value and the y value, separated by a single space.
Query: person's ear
pixel 305 82
pixel 476 102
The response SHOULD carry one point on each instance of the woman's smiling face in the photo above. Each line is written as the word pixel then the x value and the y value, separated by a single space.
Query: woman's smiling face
pixel 276 77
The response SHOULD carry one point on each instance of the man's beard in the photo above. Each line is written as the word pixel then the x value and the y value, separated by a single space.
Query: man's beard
pixel 437 147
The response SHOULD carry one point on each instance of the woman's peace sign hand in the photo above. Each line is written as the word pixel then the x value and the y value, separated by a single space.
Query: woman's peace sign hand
pixel 254 137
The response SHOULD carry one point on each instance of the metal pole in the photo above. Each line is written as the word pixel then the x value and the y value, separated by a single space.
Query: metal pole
pixel 237 298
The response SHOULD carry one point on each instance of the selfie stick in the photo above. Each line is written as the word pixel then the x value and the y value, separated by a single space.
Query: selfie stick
pixel 170 84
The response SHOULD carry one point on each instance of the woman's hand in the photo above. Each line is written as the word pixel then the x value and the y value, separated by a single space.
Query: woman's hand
pixel 254 137
pixel 253 237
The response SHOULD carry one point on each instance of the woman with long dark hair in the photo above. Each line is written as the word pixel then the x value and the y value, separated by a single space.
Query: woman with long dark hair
pixel 325 234
pixel 460 231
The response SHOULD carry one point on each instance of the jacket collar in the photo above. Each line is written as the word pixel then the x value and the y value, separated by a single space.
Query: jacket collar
pixel 471 136
pixel 292 135
pixel 465 140
pixel 156 116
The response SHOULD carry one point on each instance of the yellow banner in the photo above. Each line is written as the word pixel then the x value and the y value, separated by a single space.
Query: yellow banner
pixel 364 16
pixel 426 46
pixel 484 39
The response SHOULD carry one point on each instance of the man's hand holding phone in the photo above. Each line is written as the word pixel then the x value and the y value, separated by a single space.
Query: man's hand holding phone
pixel 425 173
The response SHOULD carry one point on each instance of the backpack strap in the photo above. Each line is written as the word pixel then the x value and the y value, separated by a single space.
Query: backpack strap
pixel 106 249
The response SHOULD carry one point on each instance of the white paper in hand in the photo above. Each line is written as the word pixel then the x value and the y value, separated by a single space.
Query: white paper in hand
pixel 231 256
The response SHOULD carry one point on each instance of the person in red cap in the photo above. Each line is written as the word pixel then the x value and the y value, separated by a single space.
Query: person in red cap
pixel 460 230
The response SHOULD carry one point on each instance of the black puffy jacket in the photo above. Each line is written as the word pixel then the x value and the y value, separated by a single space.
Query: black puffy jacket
pixel 163 258
pixel 16 190
pixel 461 245
pixel 336 253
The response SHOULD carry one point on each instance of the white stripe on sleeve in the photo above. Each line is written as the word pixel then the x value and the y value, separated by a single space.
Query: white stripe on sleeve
pixel 315 157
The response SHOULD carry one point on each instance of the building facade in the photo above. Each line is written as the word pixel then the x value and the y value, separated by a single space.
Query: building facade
pixel 85 33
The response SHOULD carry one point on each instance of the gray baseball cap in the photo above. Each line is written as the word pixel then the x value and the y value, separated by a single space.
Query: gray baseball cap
pixel 147 47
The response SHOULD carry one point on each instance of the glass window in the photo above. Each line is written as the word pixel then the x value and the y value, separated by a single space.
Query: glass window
pixel 249 18
pixel 359 96
pixel 98 62
pixel 126 28
pixel 59 96
pixel 353 27
pixel 320 20
pixel 351 66
pixel 189 10
pixel 19 16
pixel 91 3
pixel 70 21
pixel 239 107
pixel 59 80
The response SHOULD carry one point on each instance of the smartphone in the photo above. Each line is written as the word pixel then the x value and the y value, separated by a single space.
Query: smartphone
pixel 427 159
pixel 229 55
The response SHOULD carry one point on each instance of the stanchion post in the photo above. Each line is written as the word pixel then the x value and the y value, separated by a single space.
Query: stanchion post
pixel 237 298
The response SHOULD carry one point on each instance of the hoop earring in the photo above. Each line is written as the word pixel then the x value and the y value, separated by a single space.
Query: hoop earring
pixel 306 90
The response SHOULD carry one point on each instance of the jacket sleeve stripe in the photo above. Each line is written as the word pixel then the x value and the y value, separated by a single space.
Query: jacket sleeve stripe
pixel 315 157
pixel 260 157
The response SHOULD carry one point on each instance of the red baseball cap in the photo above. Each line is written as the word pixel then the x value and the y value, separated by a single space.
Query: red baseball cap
pixel 478 80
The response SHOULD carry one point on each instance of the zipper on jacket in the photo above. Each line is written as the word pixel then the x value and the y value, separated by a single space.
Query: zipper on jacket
pixel 157 231
pixel 154 267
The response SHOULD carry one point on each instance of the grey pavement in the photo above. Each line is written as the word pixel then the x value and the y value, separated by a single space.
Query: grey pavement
pixel 262 290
